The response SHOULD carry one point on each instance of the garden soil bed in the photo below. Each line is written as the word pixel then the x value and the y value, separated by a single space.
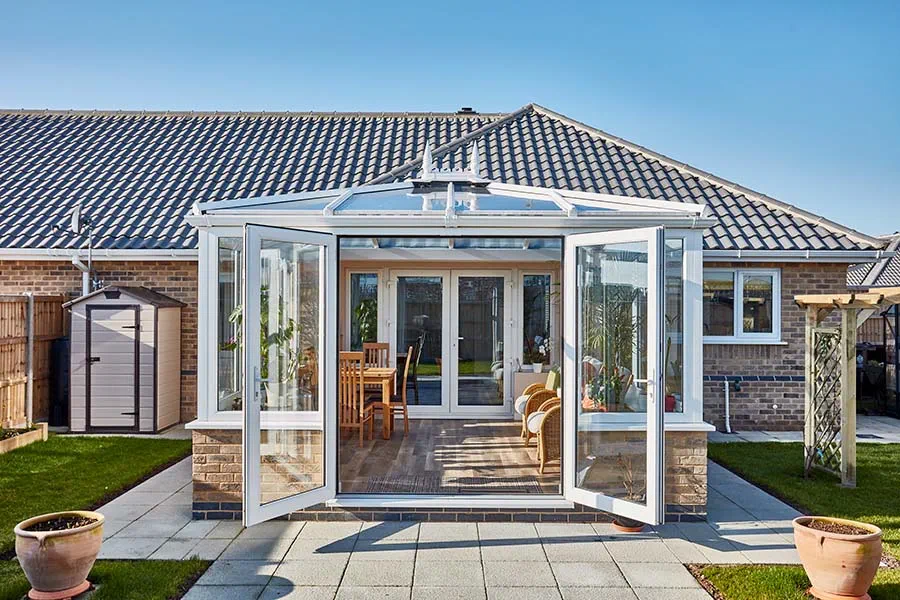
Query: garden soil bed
pixel 839 528
pixel 11 439
pixel 62 524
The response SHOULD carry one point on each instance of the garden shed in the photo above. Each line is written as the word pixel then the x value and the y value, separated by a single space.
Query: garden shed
pixel 125 357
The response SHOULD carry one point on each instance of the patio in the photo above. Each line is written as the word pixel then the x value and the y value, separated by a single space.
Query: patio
pixel 289 559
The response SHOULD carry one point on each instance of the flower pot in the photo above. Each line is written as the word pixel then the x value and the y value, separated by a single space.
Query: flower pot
pixel 57 563
pixel 537 367
pixel 839 565
pixel 627 525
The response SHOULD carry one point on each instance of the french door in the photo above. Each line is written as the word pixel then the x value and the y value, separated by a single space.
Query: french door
pixel 290 353
pixel 613 408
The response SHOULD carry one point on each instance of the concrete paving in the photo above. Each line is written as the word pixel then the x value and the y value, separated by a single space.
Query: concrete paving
pixel 345 560
pixel 869 430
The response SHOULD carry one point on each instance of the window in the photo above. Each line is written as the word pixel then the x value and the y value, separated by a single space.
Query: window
pixel 536 301
pixel 228 349
pixel 674 340
pixel 741 305
pixel 363 309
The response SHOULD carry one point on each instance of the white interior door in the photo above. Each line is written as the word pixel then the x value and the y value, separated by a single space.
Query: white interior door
pixel 289 337
pixel 480 342
pixel 613 408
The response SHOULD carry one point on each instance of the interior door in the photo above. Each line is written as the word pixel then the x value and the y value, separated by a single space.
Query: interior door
pixel 481 307
pixel 613 408
pixel 289 338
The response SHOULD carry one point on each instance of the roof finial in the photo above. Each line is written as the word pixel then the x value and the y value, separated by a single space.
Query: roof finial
pixel 475 160
pixel 427 166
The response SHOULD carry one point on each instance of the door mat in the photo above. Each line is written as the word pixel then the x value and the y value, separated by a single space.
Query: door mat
pixel 435 484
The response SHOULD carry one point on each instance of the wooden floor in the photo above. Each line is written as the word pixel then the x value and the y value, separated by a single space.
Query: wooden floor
pixel 445 456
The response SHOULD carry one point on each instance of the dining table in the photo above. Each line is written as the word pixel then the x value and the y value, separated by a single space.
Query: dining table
pixel 385 377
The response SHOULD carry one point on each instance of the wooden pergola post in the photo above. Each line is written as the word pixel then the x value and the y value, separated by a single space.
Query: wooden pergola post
pixel 830 378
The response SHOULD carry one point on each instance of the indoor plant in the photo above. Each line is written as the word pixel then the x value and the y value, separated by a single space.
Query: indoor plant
pixel 840 556
pixel 537 352
pixel 633 493
pixel 57 551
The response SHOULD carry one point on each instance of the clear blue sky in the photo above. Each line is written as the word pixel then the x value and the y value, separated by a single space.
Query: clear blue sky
pixel 800 100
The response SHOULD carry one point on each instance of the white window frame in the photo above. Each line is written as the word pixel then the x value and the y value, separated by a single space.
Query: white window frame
pixel 519 323
pixel 381 334
pixel 739 336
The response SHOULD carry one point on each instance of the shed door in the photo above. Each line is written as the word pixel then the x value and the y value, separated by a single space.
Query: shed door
pixel 613 409
pixel 113 373
pixel 290 368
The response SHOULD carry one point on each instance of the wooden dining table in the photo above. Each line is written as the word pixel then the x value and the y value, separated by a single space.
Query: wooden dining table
pixel 383 376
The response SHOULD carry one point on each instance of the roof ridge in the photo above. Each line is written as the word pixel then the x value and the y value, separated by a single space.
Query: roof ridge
pixel 716 180
pixel 454 143
pixel 241 113
pixel 879 266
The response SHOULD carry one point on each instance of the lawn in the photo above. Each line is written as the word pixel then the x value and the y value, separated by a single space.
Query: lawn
pixel 755 582
pixel 778 468
pixel 119 579
pixel 66 473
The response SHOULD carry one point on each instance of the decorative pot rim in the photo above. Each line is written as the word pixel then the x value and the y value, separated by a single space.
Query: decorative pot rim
pixel 875 531
pixel 21 531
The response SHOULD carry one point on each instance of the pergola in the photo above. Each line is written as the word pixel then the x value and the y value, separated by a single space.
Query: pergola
pixel 830 395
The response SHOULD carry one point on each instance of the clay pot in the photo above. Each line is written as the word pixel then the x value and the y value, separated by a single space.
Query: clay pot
pixel 627 525
pixel 57 563
pixel 839 566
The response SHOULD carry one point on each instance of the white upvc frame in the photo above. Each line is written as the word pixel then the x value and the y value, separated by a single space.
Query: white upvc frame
pixel 739 336
pixel 391 281
pixel 505 409
pixel 382 321
pixel 554 275
pixel 325 418
pixel 653 511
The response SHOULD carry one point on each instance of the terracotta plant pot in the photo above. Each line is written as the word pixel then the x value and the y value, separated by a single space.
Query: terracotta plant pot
pixel 627 525
pixel 57 563
pixel 840 566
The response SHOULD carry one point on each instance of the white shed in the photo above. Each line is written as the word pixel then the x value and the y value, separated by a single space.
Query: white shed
pixel 125 361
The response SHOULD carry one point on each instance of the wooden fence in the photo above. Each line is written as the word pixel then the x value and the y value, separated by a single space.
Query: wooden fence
pixel 26 337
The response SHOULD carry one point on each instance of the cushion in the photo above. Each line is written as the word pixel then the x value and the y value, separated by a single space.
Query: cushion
pixel 534 421
pixel 520 404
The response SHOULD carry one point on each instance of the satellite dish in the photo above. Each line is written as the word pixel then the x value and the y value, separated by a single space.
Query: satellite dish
pixel 76 220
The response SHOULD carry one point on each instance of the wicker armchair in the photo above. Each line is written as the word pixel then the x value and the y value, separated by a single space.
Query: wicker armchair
pixel 548 437
pixel 535 401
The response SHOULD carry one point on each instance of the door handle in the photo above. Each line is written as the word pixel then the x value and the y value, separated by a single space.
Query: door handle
pixel 95 359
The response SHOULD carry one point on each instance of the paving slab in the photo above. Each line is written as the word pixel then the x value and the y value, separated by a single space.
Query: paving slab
pixel 518 574
pixel 130 548
pixel 306 549
pixel 445 593
pixel 378 573
pixel 574 574
pixel 671 594
pixel 239 572
pixel 449 574
pixel 564 531
pixel 226 530
pixel 506 531
pixel 390 531
pixel 384 550
pixel 142 528
pixel 282 592
pixel 450 550
pixel 223 592
pixel 658 575
pixel 325 572
pixel 256 549
pixel 587 593
pixel 512 550
pixel 641 551
pixel 517 593
pixel 273 529
pixel 439 532
pixel 372 593
pixel 208 548
pixel 577 551
pixel 196 529
pixel 174 549
pixel 329 530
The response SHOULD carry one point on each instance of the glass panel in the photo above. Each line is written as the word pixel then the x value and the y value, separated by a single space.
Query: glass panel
pixel 394 200
pixel 229 377
pixel 480 344
pixel 757 300
pixel 536 320
pixel 718 303
pixel 674 349
pixel 420 324
pixel 291 460
pixel 363 309
pixel 480 202
pixel 611 351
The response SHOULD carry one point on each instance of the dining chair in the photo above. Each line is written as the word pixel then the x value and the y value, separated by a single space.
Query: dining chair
pixel 354 411
pixel 398 400
pixel 377 354
pixel 532 405
pixel 548 421
pixel 414 376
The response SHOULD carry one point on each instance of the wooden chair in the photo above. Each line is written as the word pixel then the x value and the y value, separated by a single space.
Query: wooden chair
pixel 532 405
pixel 551 384
pixel 414 376
pixel 377 354
pixel 548 434
pixel 354 412
pixel 398 401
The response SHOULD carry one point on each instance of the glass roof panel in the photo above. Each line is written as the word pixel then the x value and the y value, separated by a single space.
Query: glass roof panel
pixel 434 199
pixel 391 200
pixel 501 202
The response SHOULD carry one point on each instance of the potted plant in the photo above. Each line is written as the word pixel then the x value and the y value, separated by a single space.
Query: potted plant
pixel 633 493
pixel 537 352
pixel 840 556
pixel 57 551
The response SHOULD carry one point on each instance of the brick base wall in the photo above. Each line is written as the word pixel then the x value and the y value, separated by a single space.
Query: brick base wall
pixel 217 488
pixel 177 279
pixel 771 376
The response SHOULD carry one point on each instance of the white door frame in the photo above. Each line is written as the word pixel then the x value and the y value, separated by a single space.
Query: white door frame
pixel 443 410
pixel 505 409
pixel 653 422
pixel 325 418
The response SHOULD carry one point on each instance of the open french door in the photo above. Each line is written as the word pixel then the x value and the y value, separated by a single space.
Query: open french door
pixel 289 370
pixel 613 407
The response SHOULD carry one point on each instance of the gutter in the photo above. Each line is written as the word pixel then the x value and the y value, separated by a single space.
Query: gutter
pixel 71 254
pixel 838 256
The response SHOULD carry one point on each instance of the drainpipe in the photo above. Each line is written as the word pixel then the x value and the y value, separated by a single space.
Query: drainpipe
pixel 727 406
pixel 29 361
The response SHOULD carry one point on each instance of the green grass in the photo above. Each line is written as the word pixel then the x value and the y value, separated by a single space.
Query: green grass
pixel 70 473
pixel 119 579
pixel 756 582
pixel 778 468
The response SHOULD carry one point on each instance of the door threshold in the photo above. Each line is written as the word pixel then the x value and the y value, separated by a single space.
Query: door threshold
pixel 509 501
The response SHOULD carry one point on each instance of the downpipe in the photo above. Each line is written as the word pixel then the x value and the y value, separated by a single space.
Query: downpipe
pixel 737 388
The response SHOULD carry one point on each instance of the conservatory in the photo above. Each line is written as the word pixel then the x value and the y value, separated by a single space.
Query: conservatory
pixel 450 341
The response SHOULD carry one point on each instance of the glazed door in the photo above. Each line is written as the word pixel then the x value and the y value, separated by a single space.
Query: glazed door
pixel 288 333
pixel 613 408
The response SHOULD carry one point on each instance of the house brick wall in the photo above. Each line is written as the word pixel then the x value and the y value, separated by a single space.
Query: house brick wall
pixel 218 489
pixel 177 279
pixel 772 382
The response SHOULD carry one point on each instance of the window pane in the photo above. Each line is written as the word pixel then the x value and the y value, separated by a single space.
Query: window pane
pixel 718 304
pixel 363 309
pixel 674 349
pixel 757 303
pixel 536 319
pixel 229 383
